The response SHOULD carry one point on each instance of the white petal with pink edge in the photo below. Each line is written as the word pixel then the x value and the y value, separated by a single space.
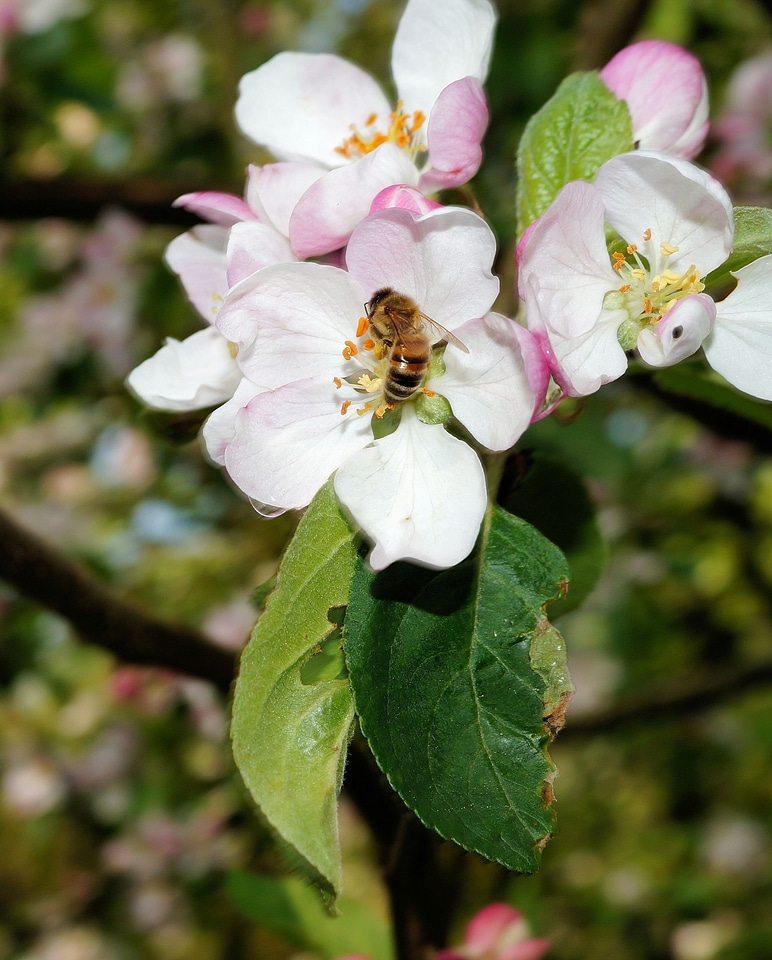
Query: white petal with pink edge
pixel 418 493
pixel 442 260
pixel 291 321
pixel 198 259
pixel 679 333
pixel 252 246
pixel 587 361
pixel 189 374
pixel 220 426
pixel 288 441
pixel 329 210
pixel 274 189
pixel 221 208
pixel 740 346
pixel 432 48
pixel 680 203
pixel 301 106
pixel 488 388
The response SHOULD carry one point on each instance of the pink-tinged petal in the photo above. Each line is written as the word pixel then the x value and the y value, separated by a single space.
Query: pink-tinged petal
pixel 584 363
pixel 291 321
pixel 220 208
pixel 740 346
pixel 189 374
pixel 490 924
pixel 488 388
pixel 301 106
pixel 443 260
pixel 198 259
pixel 288 441
pixel 274 189
pixel 565 270
pixel 220 426
pixel 432 48
pixel 679 202
pixel 405 198
pixel 252 246
pixel 679 333
pixel 532 949
pixel 667 95
pixel 418 493
pixel 457 124
pixel 330 209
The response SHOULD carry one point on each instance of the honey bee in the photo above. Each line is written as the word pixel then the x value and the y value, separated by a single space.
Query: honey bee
pixel 405 335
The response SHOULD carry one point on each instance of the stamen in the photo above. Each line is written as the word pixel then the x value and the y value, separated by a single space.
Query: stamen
pixel 631 249
pixel 428 392
pixel 647 306
pixel 362 326
pixel 344 407
pixel 350 350
pixel 625 288
pixel 338 382
pixel 368 344
pixel 402 127
pixel 647 234
pixel 667 249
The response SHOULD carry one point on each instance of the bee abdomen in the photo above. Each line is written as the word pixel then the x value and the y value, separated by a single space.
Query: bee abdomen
pixel 405 376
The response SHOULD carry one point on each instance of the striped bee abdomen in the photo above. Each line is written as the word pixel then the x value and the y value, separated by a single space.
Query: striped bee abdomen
pixel 407 369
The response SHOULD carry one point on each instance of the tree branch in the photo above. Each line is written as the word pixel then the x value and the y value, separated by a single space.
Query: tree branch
pixel 47 576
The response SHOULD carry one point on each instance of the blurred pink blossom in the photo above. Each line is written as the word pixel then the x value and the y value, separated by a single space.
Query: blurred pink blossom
pixel 497 932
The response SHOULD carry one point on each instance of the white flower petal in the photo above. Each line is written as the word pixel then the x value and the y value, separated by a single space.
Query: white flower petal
pixel 740 346
pixel 680 203
pixel 189 374
pixel 442 259
pixel 454 135
pixel 586 362
pixel 301 106
pixel 221 208
pixel 220 426
pixel 418 493
pixel 198 259
pixel 288 441
pixel 291 321
pixel 488 388
pixel 274 189
pixel 433 47
pixel 679 333
pixel 252 246
pixel 329 210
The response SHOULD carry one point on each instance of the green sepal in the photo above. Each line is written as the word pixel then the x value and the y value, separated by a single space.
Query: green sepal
pixel 752 239
pixel 292 708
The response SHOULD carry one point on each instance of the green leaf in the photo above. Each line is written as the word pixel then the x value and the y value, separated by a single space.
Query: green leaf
pixel 287 906
pixel 752 239
pixel 291 723
pixel 576 131
pixel 533 485
pixel 447 695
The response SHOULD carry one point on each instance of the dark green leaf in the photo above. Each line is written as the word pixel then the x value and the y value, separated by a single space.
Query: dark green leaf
pixel 707 388
pixel 447 695
pixel 548 494
pixel 576 131
pixel 291 722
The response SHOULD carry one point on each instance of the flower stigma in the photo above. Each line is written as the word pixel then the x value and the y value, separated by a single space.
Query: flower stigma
pixel 401 131
pixel 649 287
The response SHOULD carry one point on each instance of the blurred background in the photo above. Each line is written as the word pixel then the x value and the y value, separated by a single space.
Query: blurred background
pixel 124 828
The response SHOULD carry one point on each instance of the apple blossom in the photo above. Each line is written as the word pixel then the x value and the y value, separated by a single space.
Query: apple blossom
pixel 589 308
pixel 316 376
pixel 667 95
pixel 497 932
pixel 323 110
pixel 243 235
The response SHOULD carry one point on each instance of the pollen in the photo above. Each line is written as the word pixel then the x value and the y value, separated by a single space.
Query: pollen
pixel 631 249
pixel 368 344
pixel 350 350
pixel 338 382
pixel 400 131
pixel 647 234
pixel 362 326
pixel 344 407
pixel 667 249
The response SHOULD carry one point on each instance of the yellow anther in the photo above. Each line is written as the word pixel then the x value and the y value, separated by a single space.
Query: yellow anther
pixel 338 382
pixel 368 344
pixel 647 234
pixel 631 249
pixel 667 249
pixel 350 350
pixel 362 326
pixel 344 407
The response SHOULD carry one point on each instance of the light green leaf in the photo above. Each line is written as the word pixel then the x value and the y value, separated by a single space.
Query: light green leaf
pixel 292 720
pixel 752 239
pixel 576 131
pixel 448 696
pixel 290 908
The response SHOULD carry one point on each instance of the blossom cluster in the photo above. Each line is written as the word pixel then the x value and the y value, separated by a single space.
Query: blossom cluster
pixel 351 330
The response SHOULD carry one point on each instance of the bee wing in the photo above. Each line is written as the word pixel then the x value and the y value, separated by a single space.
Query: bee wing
pixel 443 334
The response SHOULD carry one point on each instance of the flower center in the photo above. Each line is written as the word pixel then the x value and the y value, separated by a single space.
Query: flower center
pixel 401 130
pixel 649 287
